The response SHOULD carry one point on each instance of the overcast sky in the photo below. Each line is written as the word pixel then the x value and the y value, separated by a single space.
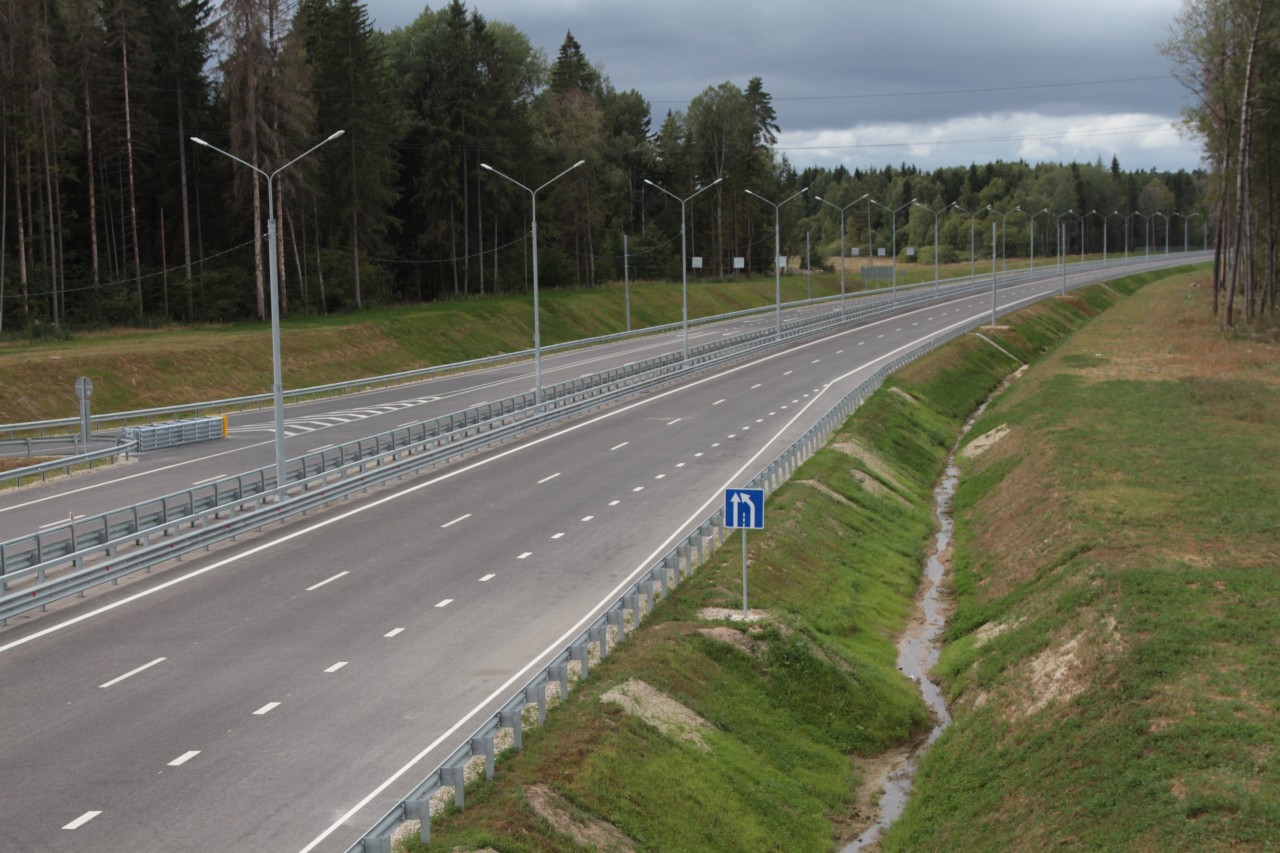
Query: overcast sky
pixel 926 82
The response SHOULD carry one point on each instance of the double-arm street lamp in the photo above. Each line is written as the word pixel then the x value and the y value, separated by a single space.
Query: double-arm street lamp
pixel 1186 231
pixel 277 381
pixel 1166 230
pixel 533 200
pixel 972 216
pixel 777 247
pixel 1105 220
pixel 894 216
pixel 842 210
pixel 684 260
pixel 935 243
pixel 1146 232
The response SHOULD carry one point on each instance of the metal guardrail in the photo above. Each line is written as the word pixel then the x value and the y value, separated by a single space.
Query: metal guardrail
pixel 67 548
pixel 69 558
pixel 30 473
pixel 627 610
pixel 173 433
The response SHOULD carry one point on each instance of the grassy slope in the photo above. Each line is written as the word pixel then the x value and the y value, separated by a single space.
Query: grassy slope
pixel 837 569
pixel 1124 536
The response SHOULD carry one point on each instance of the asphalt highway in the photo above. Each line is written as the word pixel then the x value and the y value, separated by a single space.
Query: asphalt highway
pixel 283 691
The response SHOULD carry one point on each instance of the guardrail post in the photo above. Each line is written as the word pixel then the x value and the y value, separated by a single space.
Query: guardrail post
pixel 455 776
pixel 538 693
pixel 380 844
pixel 484 744
pixel 699 534
pixel 581 653
pixel 560 672
pixel 633 602
pixel 664 567
pixel 419 810
pixel 618 618
pixel 599 634
pixel 509 718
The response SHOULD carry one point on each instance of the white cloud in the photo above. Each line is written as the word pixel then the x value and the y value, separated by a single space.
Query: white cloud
pixel 1139 140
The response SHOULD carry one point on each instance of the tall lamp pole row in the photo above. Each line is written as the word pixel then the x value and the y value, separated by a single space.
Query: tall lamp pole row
pixel 777 247
pixel 684 259
pixel 842 210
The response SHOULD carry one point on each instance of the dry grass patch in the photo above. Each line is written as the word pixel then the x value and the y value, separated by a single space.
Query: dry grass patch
pixel 659 710
pixel 558 812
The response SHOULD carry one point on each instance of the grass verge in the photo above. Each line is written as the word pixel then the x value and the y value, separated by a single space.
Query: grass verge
pixel 1113 662
pixel 789 714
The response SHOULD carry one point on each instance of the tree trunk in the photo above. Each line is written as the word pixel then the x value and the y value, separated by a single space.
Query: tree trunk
pixel 90 183
pixel 186 205
pixel 128 147
pixel 164 267
pixel 324 304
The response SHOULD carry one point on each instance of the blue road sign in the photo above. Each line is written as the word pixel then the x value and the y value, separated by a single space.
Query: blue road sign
pixel 744 508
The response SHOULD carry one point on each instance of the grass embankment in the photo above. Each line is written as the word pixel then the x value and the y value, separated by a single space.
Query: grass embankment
pixel 1114 656
pixel 793 712
pixel 134 369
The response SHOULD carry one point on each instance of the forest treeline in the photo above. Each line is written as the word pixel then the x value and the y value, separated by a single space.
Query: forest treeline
pixel 1227 53
pixel 111 215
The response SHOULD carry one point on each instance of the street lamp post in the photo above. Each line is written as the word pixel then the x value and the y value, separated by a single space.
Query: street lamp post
pixel 1186 231
pixel 684 260
pixel 935 244
pixel 894 215
pixel 277 380
pixel 1106 219
pixel 537 336
pixel 777 248
pixel 1104 229
pixel 842 210
pixel 1004 248
pixel 1166 230
pixel 972 216
pixel 1146 232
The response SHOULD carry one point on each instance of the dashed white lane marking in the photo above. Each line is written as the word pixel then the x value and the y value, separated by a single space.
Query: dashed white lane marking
pixel 861 343
pixel 699 453
pixel 337 666
pixel 587 517
pixel 638 489
pixel 557 535
pixel 82 820
pixel 718 402
pixel 759 420
pixel 456 520
pixel 899 329
pixel 715 444
pixel 660 476
pixel 744 429
pixel 879 336
pixel 184 758
pixel 487 578
pixel 680 464
pixel 676 421
pixel 620 446
pixel 266 709
pixel 445 603
pixel 839 352
pixel 771 414
pixel 614 503
pixel 214 477
pixel 731 435
pixel 548 479
pixel 788 373
pixel 393 632
pixel 525 555
pixel 327 580
pixel 120 678
pixel 815 361
pixel 757 385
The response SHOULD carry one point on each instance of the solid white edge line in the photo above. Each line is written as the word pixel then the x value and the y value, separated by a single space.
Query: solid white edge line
pixel 82 820
pixel 317 585
pixel 120 678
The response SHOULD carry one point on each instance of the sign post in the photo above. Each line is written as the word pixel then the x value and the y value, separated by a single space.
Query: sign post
pixel 84 390
pixel 744 508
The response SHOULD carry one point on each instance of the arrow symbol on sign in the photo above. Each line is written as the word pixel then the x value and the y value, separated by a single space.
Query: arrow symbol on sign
pixel 749 515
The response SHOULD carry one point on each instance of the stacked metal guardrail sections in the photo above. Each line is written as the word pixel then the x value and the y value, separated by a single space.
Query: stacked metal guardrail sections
pixel 627 610
pixel 173 433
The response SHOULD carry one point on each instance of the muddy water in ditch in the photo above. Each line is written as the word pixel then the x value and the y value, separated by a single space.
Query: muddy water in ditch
pixel 918 651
